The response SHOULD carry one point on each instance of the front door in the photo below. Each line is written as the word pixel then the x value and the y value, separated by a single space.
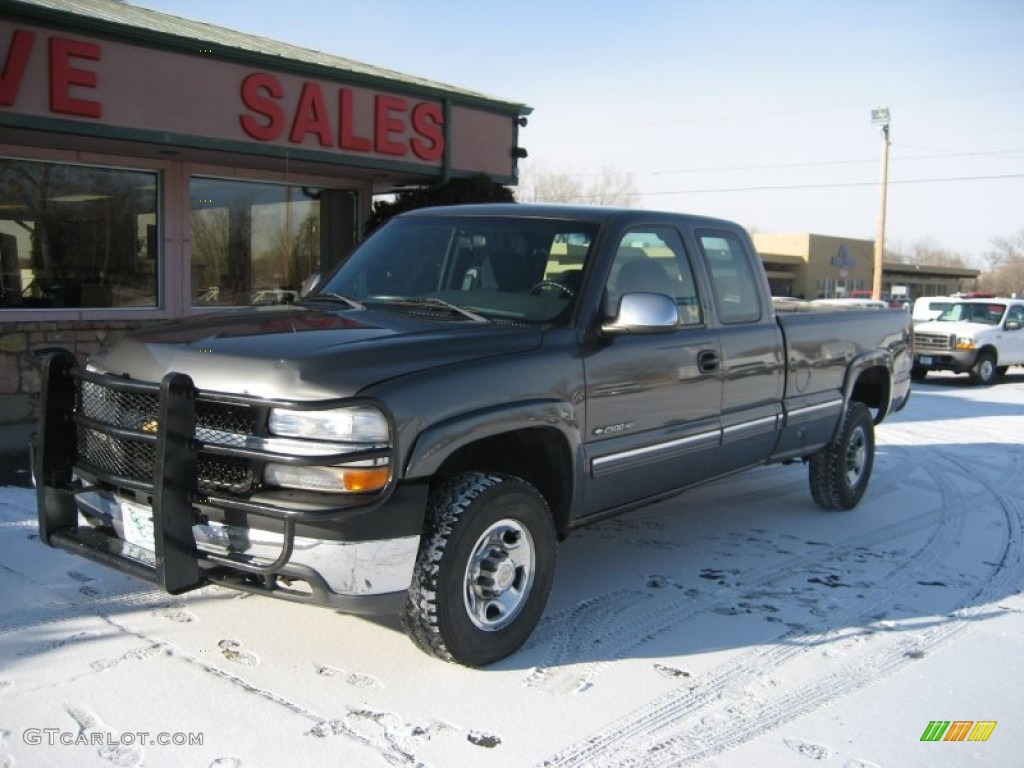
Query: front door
pixel 653 400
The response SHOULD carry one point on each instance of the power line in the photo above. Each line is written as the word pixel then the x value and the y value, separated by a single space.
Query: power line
pixel 809 164
pixel 836 185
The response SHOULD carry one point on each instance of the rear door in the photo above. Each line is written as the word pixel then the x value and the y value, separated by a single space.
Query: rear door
pixel 753 376
pixel 652 400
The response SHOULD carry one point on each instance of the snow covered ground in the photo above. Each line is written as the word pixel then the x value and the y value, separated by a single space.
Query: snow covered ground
pixel 736 625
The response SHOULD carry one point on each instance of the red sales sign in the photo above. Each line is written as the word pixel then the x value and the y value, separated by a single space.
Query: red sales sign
pixel 312 112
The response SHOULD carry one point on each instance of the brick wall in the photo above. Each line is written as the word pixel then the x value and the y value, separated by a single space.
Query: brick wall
pixel 19 374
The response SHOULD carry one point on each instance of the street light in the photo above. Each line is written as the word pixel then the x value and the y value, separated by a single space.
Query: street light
pixel 880 117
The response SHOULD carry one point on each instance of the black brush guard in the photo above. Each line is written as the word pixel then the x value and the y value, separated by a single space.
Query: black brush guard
pixel 174 485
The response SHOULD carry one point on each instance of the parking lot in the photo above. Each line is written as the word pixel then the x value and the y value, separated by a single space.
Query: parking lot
pixel 734 625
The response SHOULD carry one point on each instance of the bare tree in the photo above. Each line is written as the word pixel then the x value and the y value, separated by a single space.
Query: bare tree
pixel 608 186
pixel 1005 273
pixel 926 252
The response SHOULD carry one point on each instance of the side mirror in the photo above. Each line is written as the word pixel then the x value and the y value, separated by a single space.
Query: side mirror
pixel 1012 325
pixel 309 284
pixel 643 313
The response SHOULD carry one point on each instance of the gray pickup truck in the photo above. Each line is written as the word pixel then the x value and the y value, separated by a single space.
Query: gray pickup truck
pixel 470 384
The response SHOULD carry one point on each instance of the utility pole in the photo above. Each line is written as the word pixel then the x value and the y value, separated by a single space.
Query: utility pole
pixel 880 117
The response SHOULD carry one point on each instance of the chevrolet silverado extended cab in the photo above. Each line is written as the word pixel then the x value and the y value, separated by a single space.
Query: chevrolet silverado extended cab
pixel 979 337
pixel 470 384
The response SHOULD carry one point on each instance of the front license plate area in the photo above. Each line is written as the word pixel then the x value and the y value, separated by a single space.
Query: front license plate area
pixel 925 360
pixel 137 525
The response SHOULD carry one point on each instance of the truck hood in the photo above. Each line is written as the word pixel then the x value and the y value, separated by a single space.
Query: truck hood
pixel 958 328
pixel 304 352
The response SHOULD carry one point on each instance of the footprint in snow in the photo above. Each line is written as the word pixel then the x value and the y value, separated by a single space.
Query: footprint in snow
pixel 809 749
pixel 232 651
pixel 355 679
pixel 484 739
pixel 667 671
pixel 175 612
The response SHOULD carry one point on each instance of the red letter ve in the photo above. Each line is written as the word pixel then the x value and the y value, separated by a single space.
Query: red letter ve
pixel 14 67
pixel 63 76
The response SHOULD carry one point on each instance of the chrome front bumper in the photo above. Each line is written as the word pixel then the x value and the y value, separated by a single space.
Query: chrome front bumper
pixel 353 569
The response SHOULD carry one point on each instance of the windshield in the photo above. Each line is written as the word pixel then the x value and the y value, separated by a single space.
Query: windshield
pixel 498 268
pixel 973 312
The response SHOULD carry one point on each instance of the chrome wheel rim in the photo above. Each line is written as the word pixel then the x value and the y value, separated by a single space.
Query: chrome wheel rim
pixel 856 457
pixel 987 369
pixel 499 575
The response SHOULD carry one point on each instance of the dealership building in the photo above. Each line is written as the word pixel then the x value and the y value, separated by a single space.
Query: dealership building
pixel 153 167
pixel 824 266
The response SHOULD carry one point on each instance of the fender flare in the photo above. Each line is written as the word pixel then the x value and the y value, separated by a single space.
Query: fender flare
pixel 437 442
pixel 875 358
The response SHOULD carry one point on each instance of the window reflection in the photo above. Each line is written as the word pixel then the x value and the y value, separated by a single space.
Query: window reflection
pixel 74 236
pixel 252 243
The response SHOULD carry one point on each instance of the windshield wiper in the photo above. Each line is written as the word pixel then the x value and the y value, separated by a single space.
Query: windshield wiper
pixel 336 297
pixel 439 304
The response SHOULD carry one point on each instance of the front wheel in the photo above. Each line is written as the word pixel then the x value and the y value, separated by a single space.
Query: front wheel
pixel 484 569
pixel 984 369
pixel 839 472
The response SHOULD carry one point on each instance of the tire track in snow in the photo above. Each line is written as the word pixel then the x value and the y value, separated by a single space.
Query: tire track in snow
pixel 631 631
pixel 631 740
pixel 706 740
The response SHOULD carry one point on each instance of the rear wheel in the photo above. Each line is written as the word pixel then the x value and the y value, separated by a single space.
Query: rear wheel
pixel 839 473
pixel 484 569
pixel 984 369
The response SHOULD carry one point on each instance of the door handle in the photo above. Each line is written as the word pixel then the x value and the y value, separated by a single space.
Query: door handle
pixel 707 361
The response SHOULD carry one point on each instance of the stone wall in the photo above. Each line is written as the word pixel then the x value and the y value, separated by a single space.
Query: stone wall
pixel 19 372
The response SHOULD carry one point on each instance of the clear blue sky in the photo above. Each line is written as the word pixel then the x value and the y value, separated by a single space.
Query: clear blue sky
pixel 754 111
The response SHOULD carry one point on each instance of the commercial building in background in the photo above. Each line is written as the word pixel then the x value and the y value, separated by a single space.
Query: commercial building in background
pixel 822 266
pixel 153 167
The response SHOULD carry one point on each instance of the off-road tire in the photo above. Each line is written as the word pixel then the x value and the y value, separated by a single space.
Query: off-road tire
pixel 839 472
pixel 484 569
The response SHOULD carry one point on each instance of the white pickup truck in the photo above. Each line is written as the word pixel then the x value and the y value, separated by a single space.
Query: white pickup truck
pixel 980 337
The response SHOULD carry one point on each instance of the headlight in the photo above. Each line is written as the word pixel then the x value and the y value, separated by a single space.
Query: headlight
pixel 964 342
pixel 355 427
pixel 346 479
pixel 357 424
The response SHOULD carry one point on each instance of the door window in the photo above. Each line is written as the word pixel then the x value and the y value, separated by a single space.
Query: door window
pixel 652 260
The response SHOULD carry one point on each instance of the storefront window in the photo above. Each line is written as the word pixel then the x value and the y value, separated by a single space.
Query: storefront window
pixel 252 243
pixel 75 236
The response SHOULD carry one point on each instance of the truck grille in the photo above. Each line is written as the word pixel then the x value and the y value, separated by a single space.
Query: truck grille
pixel 114 452
pixel 932 342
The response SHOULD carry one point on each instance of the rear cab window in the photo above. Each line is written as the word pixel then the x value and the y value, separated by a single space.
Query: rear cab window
pixel 733 277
